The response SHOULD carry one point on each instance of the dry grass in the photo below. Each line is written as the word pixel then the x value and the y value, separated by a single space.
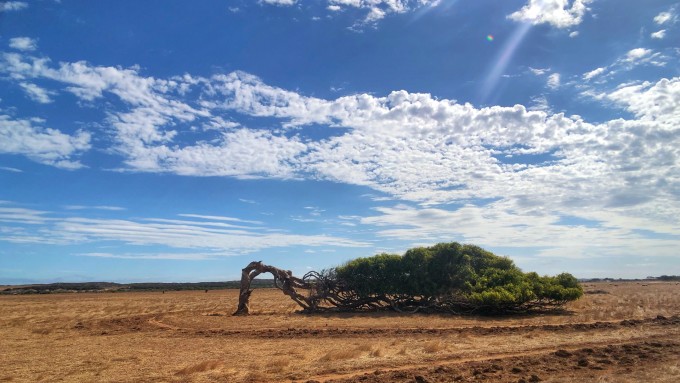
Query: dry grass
pixel 340 354
pixel 192 337
pixel 278 365
pixel 433 347
pixel 377 353
pixel 201 367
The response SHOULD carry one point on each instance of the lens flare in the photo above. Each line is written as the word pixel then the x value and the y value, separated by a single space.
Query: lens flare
pixel 503 59
pixel 489 37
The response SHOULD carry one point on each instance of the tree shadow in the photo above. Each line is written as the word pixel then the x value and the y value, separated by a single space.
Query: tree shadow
pixel 482 317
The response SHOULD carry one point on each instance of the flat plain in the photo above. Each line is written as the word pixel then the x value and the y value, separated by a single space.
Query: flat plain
pixel 618 332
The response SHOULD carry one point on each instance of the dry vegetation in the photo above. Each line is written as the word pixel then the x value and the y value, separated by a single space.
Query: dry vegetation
pixel 625 332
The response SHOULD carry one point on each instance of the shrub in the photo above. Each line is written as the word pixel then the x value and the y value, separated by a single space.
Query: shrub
pixel 454 277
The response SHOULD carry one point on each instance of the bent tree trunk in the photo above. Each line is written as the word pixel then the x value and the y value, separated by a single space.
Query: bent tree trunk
pixel 283 280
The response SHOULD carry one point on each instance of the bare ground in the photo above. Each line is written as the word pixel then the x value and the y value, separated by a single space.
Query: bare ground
pixel 627 332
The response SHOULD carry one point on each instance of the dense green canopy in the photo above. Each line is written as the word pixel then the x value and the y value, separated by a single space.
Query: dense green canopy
pixel 453 277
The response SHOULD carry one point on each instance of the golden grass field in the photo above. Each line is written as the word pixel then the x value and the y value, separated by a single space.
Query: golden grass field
pixel 629 334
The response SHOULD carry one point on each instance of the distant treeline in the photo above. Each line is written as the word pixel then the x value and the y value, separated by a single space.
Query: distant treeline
pixel 668 278
pixel 663 278
pixel 80 287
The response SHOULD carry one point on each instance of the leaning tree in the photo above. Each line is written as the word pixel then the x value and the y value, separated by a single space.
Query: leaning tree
pixel 447 277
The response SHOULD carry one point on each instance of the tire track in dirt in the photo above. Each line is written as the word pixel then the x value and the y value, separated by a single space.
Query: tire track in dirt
pixel 154 322
pixel 397 332
pixel 522 365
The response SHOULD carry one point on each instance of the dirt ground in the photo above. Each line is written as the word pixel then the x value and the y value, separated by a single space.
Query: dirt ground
pixel 619 332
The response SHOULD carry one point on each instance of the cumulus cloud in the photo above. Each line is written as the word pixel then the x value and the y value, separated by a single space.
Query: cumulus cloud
pixel 558 13
pixel 651 101
pixel 43 145
pixel 535 164
pixel 372 10
pixel 242 154
pixel 23 43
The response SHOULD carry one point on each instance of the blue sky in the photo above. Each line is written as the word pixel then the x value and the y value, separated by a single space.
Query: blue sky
pixel 178 141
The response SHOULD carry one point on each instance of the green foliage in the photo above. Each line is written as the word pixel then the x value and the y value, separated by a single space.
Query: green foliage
pixel 465 276
pixel 379 274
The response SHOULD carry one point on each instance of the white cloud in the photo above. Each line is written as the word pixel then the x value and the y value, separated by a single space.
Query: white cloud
pixel 36 93
pixel 554 81
pixel 498 225
pixel 279 2
pixel 417 148
pixel 13 6
pixel 658 34
pixel 539 71
pixel 185 256
pixel 624 64
pixel 409 146
pixel 22 216
pixel 664 18
pixel 558 13
pixel 593 73
pixel 637 57
pixel 242 154
pixel 373 10
pixel 637 54
pixel 573 34
pixel 540 103
pixel 43 145
pixel 378 9
pixel 656 102
pixel 220 218
pixel 23 43
pixel 9 169
pixel 100 207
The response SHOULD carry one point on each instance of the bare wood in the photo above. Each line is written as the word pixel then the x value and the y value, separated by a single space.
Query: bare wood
pixel 283 280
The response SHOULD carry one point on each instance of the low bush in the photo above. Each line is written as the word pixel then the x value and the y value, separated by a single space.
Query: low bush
pixel 453 277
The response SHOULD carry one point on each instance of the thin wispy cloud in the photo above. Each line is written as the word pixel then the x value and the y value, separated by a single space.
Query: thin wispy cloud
pixel 8 6
pixel 100 207
pixel 9 169
pixel 665 18
pixel 658 34
pixel 47 227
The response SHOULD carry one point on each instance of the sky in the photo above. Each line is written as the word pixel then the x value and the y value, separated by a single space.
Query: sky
pixel 177 141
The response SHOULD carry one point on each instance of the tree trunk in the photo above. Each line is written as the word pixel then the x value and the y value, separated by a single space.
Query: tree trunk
pixel 283 280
